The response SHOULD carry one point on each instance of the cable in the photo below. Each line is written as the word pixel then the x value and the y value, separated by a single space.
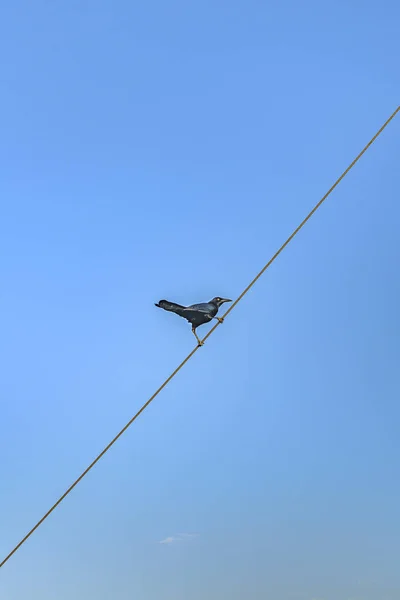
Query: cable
pixel 189 356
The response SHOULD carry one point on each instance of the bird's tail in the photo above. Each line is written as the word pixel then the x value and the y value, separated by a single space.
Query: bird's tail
pixel 171 306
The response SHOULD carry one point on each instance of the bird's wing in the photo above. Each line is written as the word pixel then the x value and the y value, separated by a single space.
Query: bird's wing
pixel 202 307
pixel 205 308
pixel 187 312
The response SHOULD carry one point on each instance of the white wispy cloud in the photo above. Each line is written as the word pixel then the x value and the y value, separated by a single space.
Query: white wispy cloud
pixel 179 537
pixel 168 540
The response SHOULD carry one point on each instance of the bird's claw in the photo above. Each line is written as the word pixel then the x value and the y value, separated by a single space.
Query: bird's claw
pixel 220 319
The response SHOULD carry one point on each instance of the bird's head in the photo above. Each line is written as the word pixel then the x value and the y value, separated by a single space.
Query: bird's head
pixel 220 301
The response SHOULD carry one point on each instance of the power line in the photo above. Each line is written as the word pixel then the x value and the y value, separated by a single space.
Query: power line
pixel 189 356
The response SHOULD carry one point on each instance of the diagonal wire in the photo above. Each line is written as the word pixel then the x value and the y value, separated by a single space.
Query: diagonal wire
pixel 189 356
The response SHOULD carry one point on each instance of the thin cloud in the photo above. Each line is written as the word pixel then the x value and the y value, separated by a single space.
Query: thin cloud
pixel 179 537
pixel 168 540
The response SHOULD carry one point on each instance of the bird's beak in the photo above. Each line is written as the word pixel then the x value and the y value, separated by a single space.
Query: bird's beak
pixel 226 300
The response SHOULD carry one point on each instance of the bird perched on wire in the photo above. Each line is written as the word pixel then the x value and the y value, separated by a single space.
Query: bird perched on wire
pixel 196 314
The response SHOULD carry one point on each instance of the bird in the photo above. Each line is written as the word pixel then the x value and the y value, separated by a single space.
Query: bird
pixel 196 314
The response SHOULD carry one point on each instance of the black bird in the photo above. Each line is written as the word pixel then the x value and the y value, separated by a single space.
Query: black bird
pixel 196 314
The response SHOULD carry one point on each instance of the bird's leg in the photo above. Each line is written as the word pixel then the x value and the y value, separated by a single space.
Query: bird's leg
pixel 219 319
pixel 200 343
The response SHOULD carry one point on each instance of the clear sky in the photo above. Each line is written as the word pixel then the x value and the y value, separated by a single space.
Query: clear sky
pixel 166 150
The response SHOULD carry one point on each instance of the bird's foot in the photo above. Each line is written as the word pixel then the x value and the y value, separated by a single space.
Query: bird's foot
pixel 220 320
pixel 199 342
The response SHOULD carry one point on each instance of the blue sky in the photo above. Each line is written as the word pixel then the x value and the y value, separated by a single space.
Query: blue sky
pixel 166 150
